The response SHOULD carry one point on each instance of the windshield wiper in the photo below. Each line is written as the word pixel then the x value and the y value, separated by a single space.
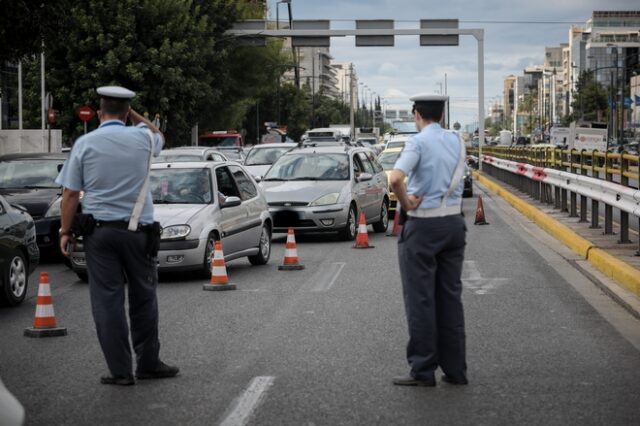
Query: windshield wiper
pixel 279 179
pixel 306 178
pixel 39 187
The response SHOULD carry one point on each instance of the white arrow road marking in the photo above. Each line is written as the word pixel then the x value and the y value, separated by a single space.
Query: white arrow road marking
pixel 247 403
pixel 473 280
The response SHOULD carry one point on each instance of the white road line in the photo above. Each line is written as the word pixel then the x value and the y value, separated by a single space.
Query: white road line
pixel 471 267
pixel 326 276
pixel 246 404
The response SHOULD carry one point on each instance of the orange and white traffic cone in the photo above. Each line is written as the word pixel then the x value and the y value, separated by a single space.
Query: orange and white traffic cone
pixel 219 278
pixel 291 261
pixel 397 228
pixel 480 219
pixel 44 323
pixel 362 240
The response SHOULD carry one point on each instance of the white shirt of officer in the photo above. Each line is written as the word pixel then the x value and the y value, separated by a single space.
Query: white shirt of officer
pixel 110 165
pixel 429 160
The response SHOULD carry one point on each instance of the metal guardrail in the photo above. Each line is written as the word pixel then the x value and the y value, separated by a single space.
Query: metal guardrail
pixel 623 166
pixel 561 188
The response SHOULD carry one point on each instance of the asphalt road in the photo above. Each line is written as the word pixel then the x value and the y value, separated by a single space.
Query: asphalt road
pixel 320 346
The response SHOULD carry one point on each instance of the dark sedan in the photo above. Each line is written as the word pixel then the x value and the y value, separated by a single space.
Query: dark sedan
pixel 19 254
pixel 28 180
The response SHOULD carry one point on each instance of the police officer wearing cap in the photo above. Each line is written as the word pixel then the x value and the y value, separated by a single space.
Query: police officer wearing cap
pixel 110 165
pixel 431 246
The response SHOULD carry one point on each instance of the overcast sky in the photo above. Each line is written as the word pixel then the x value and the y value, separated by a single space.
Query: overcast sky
pixel 405 69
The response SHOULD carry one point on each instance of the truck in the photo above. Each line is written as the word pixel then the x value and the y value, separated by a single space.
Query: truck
pixel 506 138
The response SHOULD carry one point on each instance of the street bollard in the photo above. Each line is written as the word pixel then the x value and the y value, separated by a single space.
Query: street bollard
pixel 608 210
pixel 624 216
pixel 583 199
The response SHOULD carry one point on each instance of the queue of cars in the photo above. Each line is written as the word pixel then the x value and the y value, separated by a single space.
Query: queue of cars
pixel 202 194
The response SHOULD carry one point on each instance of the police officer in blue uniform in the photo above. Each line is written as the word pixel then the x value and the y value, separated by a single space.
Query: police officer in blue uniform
pixel 110 165
pixel 431 246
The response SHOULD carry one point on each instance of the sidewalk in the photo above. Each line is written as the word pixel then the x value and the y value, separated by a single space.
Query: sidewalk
pixel 615 260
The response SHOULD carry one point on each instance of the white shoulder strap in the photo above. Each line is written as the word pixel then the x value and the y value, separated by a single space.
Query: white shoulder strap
pixel 137 208
pixel 457 174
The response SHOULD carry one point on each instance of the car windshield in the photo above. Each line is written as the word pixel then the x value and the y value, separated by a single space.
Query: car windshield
pixel 310 166
pixel 405 127
pixel 264 156
pixel 167 158
pixel 29 173
pixel 233 155
pixel 388 159
pixel 181 186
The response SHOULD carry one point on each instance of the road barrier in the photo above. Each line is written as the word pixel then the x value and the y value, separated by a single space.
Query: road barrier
pixel 291 261
pixel 219 277
pixel 362 239
pixel 561 188
pixel 44 322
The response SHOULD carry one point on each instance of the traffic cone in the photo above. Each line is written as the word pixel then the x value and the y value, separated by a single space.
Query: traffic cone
pixel 397 228
pixel 44 323
pixel 362 240
pixel 291 261
pixel 219 278
pixel 480 219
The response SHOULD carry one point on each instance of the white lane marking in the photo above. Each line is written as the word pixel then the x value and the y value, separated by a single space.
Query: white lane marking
pixel 247 403
pixel 326 276
pixel 476 283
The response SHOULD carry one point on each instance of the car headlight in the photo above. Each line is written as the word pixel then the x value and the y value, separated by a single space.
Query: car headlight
pixel 175 232
pixel 326 199
pixel 54 208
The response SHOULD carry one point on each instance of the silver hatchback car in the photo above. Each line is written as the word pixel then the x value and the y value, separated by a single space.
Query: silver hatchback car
pixel 324 189
pixel 201 202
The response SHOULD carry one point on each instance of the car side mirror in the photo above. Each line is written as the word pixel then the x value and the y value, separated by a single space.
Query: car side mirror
pixel 257 178
pixel 231 202
pixel 364 177
pixel 60 167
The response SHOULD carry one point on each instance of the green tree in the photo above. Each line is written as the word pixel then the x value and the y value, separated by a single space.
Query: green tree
pixel 589 99
pixel 171 52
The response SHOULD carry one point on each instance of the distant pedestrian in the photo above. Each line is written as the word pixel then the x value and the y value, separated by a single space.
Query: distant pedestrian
pixel 111 165
pixel 431 246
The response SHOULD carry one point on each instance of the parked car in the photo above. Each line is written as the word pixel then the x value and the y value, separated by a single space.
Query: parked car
pixel 324 189
pixel 198 203
pixel 189 153
pixel 29 180
pixel 19 254
pixel 260 158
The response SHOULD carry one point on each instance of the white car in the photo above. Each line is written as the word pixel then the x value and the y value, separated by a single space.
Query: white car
pixel 260 158
pixel 198 203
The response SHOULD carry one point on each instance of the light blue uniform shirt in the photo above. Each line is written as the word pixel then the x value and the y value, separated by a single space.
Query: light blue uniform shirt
pixel 429 160
pixel 110 165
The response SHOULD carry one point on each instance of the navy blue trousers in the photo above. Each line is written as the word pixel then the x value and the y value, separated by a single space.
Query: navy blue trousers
pixel 112 253
pixel 431 255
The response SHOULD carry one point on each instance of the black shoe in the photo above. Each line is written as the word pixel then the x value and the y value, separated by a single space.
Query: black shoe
pixel 162 372
pixel 454 381
pixel 410 381
pixel 118 380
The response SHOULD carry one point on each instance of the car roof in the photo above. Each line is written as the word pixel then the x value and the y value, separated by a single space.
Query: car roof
pixel 194 151
pixel 192 164
pixel 392 150
pixel 327 149
pixel 35 156
pixel 275 145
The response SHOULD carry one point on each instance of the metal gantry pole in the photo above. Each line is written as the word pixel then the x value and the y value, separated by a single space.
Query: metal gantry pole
pixel 479 35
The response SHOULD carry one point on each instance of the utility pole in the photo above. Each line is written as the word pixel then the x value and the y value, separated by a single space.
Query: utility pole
pixel 621 108
pixel 313 89
pixel 20 95
pixel 352 121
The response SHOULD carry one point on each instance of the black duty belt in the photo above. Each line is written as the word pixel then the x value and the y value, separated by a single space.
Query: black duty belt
pixel 120 224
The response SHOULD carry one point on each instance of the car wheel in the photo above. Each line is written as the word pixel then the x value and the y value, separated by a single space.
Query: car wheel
pixel 264 248
pixel 205 271
pixel 383 223
pixel 83 276
pixel 15 279
pixel 349 231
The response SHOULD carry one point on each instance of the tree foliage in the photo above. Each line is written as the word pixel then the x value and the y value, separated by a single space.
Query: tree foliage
pixel 589 98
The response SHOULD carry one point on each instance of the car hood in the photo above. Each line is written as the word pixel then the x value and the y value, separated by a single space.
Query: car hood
pixel 175 214
pixel 258 170
pixel 36 200
pixel 304 191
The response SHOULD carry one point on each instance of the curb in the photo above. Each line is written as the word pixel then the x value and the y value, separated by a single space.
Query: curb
pixel 624 274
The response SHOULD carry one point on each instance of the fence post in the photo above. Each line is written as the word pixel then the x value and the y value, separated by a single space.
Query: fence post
pixel 608 210
pixel 563 192
pixel 624 216
pixel 574 197
pixel 583 199
pixel 595 206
